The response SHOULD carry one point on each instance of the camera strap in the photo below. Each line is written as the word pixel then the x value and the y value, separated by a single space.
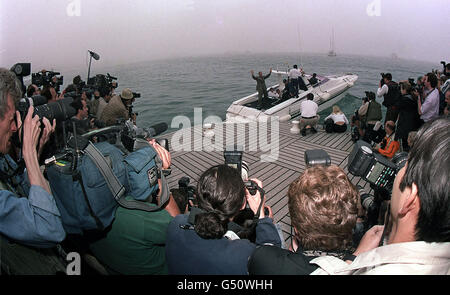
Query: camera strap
pixel 118 190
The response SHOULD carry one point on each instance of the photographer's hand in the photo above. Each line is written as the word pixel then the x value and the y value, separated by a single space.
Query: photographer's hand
pixel 255 200
pixel 48 130
pixel 163 154
pixel 370 240
pixel 31 130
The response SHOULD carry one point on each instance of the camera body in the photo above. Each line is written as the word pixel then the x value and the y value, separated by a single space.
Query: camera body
pixel 45 78
pixel 373 167
pixel 60 110
pixel 188 190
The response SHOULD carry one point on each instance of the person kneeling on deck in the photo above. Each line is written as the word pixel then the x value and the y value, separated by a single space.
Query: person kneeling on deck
pixel 207 241
pixel 417 238
pixel 323 206
pixel 336 121
pixel 135 244
pixel 388 146
pixel 309 114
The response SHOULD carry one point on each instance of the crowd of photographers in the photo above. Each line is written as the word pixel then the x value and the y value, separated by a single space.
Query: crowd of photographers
pixel 223 224
pixel 409 104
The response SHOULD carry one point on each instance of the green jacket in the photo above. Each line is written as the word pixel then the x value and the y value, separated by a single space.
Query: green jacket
pixel 135 245
pixel 373 112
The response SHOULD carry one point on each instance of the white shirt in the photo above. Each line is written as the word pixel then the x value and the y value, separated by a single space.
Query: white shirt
pixel 430 107
pixel 398 259
pixel 337 118
pixel 294 73
pixel 309 108
pixel 382 91
pixel 273 94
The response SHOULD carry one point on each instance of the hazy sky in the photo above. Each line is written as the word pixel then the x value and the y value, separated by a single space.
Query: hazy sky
pixel 57 33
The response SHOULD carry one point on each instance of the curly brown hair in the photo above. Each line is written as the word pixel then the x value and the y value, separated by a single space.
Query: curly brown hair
pixel 323 205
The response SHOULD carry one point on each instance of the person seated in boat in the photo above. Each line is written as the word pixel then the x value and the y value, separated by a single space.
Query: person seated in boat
pixel 313 80
pixel 207 241
pixel 273 93
pixel 285 95
pixel 336 121
pixel 309 114
pixel 261 86
pixel 388 146
pixel 323 206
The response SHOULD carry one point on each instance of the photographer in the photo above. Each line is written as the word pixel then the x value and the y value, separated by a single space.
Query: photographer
pixel 390 91
pixel 105 97
pixel 408 118
pixel 33 90
pixel 418 241
pixel 428 105
pixel 323 206
pixel 82 121
pixel 117 108
pixel 389 145
pixel 135 244
pixel 204 242
pixel 27 216
pixel 369 114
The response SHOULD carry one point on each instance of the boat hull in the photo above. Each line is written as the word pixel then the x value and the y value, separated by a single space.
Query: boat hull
pixel 329 91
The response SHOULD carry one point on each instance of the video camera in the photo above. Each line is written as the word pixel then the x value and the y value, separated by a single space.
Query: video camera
pixel 47 78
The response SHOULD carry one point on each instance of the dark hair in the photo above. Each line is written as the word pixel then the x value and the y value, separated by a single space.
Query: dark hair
pixel 180 198
pixel 77 104
pixel 30 90
pixel 388 76
pixel 46 92
pixel 432 79
pixel 71 88
pixel 310 96
pixel 428 167
pixel 221 194
pixel 295 66
pixel 104 91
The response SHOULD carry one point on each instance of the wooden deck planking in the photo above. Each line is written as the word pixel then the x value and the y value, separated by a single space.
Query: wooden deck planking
pixel 276 176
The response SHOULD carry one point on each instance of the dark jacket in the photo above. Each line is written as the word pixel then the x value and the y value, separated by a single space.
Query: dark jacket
pixel 269 260
pixel 408 118
pixel 189 254
pixel 260 82
pixel 391 98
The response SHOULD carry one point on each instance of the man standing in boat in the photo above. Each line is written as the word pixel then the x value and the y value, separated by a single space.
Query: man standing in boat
pixel 261 87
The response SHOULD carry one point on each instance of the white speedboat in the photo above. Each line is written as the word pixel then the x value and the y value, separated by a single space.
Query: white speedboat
pixel 328 91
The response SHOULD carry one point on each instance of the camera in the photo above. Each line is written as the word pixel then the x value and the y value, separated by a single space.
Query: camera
pixel 188 190
pixel 136 95
pixel 46 78
pixel 60 110
pixel 373 167
pixel 251 186
pixel 233 158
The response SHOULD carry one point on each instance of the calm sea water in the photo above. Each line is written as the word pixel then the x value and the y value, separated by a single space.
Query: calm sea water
pixel 175 87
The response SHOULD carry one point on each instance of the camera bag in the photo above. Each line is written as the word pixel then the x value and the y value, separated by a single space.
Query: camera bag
pixel 89 191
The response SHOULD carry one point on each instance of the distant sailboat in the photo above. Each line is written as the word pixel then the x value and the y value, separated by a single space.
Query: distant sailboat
pixel 332 52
